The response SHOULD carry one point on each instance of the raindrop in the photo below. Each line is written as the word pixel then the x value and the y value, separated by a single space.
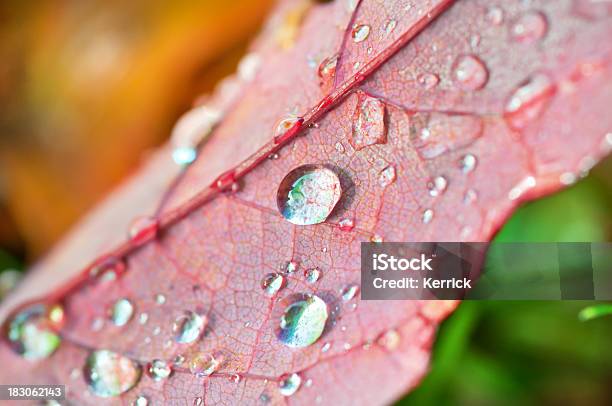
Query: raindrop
pixel 360 32
pixel 184 155
pixel 121 312
pixel 198 401
pixel 141 401
pixel 389 339
pixel 110 374
pixel 160 299
pixel 303 321
pixel 427 216
pixel 142 229
pixel 495 15
pixel 529 100
pixel 470 73
pixel 376 239
pixel 285 124
pixel 389 26
pixel 437 186
pixel 327 69
pixel 203 364
pixel 346 224
pixel 289 384
pixel 529 28
pixel 308 194
pixel 290 267
pixel 235 378
pixel 326 347
pixel 188 327
pixel 193 126
pixel 468 163
pixel 33 332
pixel 428 80
pixel 159 370
pixel 178 360
pixel 143 318
pixel 272 283
pixel 312 275
pixel 434 134
pixel 387 176
pixel 369 126
pixel 349 292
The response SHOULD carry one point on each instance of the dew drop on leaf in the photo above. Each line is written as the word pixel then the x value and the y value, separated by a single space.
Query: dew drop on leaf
pixel 369 125
pixel 470 73
pixel 349 292
pixel 33 332
pixel 110 374
pixel 326 347
pixel 312 275
pixel 159 370
pixel 327 70
pixel 390 339
pixel 346 224
pixel 289 384
pixel 290 267
pixel 160 299
pixel 203 364
pixel 308 194
pixel 141 401
pixel 529 100
pixel 303 321
pixel 434 134
pixel 389 26
pixel 387 176
pixel 495 15
pixel 437 186
pixel 272 283
pixel 468 163
pixel 285 124
pixel 121 312
pixel 184 155
pixel 142 229
pixel 428 80
pixel 188 327
pixel 360 32
pixel 427 216
pixel 235 378
pixel 530 27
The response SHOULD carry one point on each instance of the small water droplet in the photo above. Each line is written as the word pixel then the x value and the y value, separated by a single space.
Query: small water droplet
pixel 389 26
pixel 568 178
pixel 349 292
pixel 387 176
pixel 308 194
pixel 495 15
pixel 326 347
pixel 178 360
pixel 470 196
pixel 389 339
pixel 468 163
pixel 427 216
pixel 33 332
pixel 529 28
pixel 428 80
pixel 198 401
pixel 188 327
pixel 434 134
pixel 235 378
pixel 312 275
pixel 303 321
pixel 142 229
pixel 143 318
pixel 369 127
pixel 272 283
pixel 285 124
pixel 141 401
pixel 289 384
pixel 376 239
pixel 529 100
pixel 346 224
pixel 470 73
pixel 290 267
pixel 121 312
pixel 203 364
pixel 437 186
pixel 159 370
pixel 360 32
pixel 110 374
pixel 327 70
pixel 160 299
pixel 273 156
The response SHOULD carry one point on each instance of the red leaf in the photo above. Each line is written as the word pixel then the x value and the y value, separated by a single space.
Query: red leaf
pixel 483 105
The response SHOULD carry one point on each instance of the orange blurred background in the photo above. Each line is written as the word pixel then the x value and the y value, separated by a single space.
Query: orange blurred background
pixel 90 85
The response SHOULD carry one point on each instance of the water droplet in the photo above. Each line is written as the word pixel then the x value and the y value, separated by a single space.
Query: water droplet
pixel 387 176
pixel 198 401
pixel 184 155
pixel 272 283
pixel 389 26
pixel 248 66
pixel 427 216
pixel 360 32
pixel 428 80
pixel 376 239
pixel 289 384
pixel 529 100
pixel 159 370
pixel 143 229
pixel 326 347
pixel 285 124
pixel 346 224
pixel 349 292
pixel 308 194
pixel 568 178
pixel 437 186
pixel 389 340
pixel 110 374
pixel 203 364
pixel 470 73
pixel 434 134
pixel 290 267
pixel 327 69
pixel 121 312
pixel 495 15
pixel 160 299
pixel 190 130
pixel 312 275
pixel 521 187
pixel 33 332
pixel 529 28
pixel 468 163
pixel 141 401
pixel 369 126
pixel 303 321
pixel 143 318
pixel 188 327
pixel 235 378
pixel 178 360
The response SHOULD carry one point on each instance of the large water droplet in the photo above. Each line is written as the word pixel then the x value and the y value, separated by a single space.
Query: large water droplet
pixel 190 130
pixel 470 73
pixel 303 321
pixel 121 312
pixel 159 370
pixel 33 332
pixel 529 100
pixel 308 194
pixel 110 374
pixel 529 28
pixel 289 384
pixel 312 275
pixel 369 126
pixel 203 364
pixel 188 327
pixel 360 32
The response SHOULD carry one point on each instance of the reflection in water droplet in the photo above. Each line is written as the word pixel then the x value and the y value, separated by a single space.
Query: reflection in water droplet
pixel 349 292
pixel 427 216
pixel 110 374
pixel 428 80
pixel 308 194
pixel 188 327
pixel 159 370
pixel 437 186
pixel 470 73
pixel 121 312
pixel 529 100
pixel 389 340
pixel 203 364
pixel 289 384
pixel 387 176
pixel 360 32
pixel 312 275
pixel 529 28
pixel 272 283
pixel 369 125
pixel 303 321
pixel 468 163
pixel 33 332
pixel 346 224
